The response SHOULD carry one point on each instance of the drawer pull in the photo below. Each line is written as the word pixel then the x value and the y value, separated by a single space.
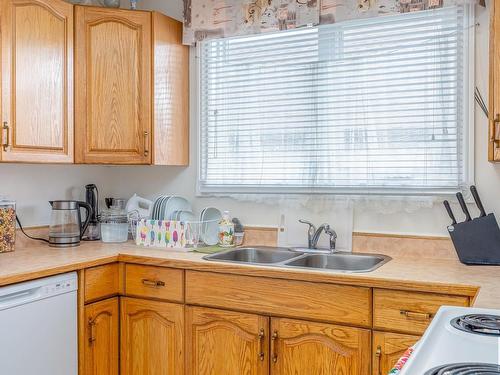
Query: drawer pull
pixel 261 343
pixel 153 283
pixel 413 315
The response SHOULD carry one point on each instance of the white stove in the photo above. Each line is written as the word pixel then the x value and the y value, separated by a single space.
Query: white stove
pixel 459 341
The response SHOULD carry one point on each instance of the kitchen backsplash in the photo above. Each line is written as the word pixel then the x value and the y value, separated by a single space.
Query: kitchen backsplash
pixel 32 186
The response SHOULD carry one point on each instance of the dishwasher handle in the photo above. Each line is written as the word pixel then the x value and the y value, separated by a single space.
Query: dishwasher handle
pixel 20 297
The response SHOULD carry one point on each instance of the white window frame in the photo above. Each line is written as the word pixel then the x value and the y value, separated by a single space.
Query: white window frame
pixel 468 133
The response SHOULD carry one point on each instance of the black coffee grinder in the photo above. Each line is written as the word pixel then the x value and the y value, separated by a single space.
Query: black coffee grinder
pixel 93 232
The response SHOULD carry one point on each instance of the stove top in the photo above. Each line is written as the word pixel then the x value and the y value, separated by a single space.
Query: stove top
pixel 466 369
pixel 481 324
pixel 459 341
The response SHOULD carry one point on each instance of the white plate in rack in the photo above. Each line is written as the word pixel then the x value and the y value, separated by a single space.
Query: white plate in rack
pixel 163 206
pixel 155 209
pixel 184 216
pixel 210 218
pixel 158 206
pixel 175 203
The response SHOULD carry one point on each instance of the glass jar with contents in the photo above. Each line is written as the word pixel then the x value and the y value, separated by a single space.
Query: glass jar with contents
pixel 114 225
pixel 7 225
pixel 226 230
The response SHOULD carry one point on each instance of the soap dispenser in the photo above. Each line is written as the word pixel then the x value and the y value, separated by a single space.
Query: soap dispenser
pixel 226 230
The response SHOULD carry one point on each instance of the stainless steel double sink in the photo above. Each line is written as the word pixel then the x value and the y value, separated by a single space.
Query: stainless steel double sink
pixel 286 258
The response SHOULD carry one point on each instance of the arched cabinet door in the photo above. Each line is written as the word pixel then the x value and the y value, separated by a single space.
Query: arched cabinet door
pixel 309 348
pixel 388 348
pixel 101 338
pixel 151 337
pixel 37 81
pixel 113 86
pixel 223 342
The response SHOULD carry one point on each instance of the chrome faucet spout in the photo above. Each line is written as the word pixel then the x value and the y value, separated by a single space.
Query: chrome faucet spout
pixel 322 227
pixel 313 235
pixel 310 232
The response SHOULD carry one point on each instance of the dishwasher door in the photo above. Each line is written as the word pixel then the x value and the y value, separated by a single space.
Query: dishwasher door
pixel 38 327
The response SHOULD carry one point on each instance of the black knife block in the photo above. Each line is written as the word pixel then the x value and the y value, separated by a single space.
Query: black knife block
pixel 477 241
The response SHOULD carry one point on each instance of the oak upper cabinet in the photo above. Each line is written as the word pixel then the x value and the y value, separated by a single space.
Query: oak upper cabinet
pixel 113 86
pixel 222 342
pixel 171 93
pixel 387 350
pixel 131 88
pixel 300 347
pixel 494 110
pixel 151 337
pixel 37 81
pixel 101 338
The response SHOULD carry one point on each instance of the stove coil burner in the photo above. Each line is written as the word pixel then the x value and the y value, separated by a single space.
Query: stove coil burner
pixel 481 324
pixel 466 369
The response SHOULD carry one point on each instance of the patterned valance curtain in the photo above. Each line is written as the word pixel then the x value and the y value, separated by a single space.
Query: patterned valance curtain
pixel 208 19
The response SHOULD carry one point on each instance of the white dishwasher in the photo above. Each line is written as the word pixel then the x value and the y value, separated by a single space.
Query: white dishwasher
pixel 38 327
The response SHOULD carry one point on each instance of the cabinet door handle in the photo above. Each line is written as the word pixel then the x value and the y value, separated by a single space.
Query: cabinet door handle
pixel 261 344
pixel 495 129
pixel 146 143
pixel 5 130
pixel 91 325
pixel 378 354
pixel 414 315
pixel 274 339
pixel 153 283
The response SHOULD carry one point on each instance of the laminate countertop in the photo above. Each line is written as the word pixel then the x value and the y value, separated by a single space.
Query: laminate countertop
pixel 33 260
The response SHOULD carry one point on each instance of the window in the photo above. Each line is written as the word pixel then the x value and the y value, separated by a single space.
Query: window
pixel 377 105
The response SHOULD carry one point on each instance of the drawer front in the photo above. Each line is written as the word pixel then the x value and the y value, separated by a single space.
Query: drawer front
pixel 154 282
pixel 277 297
pixel 102 281
pixel 409 311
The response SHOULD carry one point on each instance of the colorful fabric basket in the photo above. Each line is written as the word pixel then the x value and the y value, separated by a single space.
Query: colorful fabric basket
pixel 402 361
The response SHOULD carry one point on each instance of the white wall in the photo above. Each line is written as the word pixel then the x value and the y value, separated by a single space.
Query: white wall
pixel 33 185
pixel 172 8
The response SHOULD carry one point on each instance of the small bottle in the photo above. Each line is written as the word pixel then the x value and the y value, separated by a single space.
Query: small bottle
pixel 226 230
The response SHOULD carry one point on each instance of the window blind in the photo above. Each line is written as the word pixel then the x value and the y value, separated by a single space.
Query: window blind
pixel 368 106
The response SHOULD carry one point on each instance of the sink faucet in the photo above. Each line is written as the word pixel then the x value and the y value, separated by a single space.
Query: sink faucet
pixel 313 235
pixel 310 233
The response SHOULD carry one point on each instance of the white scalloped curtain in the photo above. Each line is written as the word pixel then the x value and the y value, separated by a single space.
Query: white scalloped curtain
pixel 209 19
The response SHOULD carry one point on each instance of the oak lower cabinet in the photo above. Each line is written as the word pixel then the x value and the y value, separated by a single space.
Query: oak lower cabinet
pixel 37 81
pixel 151 337
pixel 220 342
pixel 101 338
pixel 309 348
pixel 388 348
pixel 168 321
pixel 223 342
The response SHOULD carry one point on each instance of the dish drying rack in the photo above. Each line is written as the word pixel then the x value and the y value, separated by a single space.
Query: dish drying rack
pixel 170 233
